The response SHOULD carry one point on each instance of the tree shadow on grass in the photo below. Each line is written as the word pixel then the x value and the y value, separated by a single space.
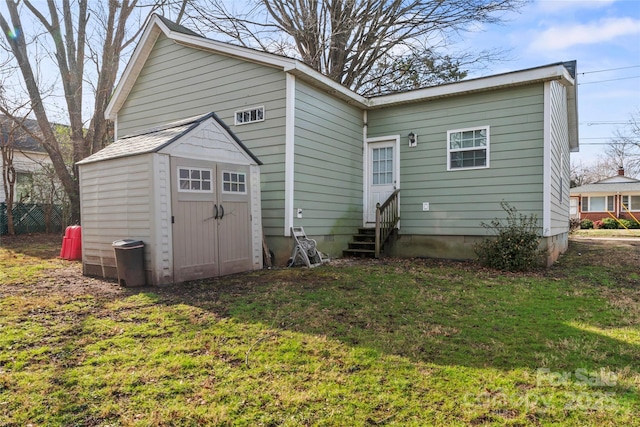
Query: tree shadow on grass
pixel 441 313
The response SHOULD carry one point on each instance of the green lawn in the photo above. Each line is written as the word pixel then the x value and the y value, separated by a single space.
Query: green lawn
pixel 394 342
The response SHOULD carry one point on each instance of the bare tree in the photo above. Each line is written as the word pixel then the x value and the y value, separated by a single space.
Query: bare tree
pixel 10 132
pixel 73 34
pixel 367 45
pixel 624 149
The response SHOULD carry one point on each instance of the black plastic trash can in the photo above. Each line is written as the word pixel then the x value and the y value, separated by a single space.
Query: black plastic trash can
pixel 130 262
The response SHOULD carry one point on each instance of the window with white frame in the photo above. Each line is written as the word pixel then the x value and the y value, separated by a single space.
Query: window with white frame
pixel 234 182
pixel 597 204
pixel 195 180
pixel 632 203
pixel 468 148
pixel 249 115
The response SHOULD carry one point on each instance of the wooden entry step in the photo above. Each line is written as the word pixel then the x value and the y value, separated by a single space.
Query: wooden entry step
pixel 363 244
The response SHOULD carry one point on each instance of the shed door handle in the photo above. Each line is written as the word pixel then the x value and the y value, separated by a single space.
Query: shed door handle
pixel 222 209
pixel 216 208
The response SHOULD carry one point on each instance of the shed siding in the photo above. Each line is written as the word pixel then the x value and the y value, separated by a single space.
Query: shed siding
pixel 328 163
pixel 460 200
pixel 179 81
pixel 105 218
pixel 559 146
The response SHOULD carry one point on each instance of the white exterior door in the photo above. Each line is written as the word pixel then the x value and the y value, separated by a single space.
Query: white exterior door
pixel 382 175
pixel 573 208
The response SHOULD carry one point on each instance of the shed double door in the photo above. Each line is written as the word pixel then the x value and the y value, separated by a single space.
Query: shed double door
pixel 211 219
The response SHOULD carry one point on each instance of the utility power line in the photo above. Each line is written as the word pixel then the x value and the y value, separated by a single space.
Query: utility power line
pixel 609 80
pixel 610 69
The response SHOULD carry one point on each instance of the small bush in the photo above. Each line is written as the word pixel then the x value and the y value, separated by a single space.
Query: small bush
pixel 574 223
pixel 598 224
pixel 516 246
pixel 586 224
pixel 609 223
pixel 626 223
pixel 634 224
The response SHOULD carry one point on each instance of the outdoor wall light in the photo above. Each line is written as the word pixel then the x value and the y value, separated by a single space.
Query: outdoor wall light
pixel 413 139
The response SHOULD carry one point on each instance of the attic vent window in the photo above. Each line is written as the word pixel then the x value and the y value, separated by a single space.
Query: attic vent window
pixel 195 180
pixel 250 115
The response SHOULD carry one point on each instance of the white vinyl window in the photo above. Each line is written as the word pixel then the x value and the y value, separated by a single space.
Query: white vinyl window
pixel 468 148
pixel 234 182
pixel 598 204
pixel 249 115
pixel 195 180
pixel 632 203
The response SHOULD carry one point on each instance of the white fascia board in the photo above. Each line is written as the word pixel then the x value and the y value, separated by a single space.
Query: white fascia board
pixel 134 66
pixel 330 86
pixel 227 49
pixel 516 78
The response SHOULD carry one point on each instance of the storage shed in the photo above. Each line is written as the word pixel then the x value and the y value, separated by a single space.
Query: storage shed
pixel 190 190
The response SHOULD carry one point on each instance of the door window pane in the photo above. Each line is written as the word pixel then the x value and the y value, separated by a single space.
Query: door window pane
pixel 195 180
pixel 382 166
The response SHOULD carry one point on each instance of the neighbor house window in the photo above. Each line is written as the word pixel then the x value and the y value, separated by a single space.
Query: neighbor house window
pixel 250 115
pixel 632 203
pixel 195 180
pixel 468 148
pixel 23 186
pixel 234 182
pixel 598 204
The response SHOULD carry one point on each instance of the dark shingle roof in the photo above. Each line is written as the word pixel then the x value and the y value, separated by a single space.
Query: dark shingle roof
pixel 177 27
pixel 22 140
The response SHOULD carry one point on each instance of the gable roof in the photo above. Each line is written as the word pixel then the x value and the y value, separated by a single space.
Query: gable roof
pixel 564 72
pixel 154 140
pixel 611 185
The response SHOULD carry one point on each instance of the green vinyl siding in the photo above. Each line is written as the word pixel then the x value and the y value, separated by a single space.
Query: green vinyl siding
pixel 461 199
pixel 178 81
pixel 328 163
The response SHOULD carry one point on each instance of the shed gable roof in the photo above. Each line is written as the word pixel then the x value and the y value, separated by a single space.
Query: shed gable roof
pixel 154 140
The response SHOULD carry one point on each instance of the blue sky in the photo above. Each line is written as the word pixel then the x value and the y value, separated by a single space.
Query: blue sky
pixel 603 36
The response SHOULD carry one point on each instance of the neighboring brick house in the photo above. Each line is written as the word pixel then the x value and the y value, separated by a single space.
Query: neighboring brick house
pixel 617 196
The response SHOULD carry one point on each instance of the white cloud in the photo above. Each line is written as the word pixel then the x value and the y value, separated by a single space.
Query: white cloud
pixel 559 5
pixel 562 37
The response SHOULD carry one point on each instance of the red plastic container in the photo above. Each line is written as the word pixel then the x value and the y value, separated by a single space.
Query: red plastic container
pixel 72 243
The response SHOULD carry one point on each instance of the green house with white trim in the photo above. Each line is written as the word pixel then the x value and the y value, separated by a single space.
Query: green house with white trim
pixel 449 154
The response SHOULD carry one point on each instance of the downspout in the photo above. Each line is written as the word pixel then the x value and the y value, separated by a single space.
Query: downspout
pixel 365 135
pixel 289 157
pixel 546 168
